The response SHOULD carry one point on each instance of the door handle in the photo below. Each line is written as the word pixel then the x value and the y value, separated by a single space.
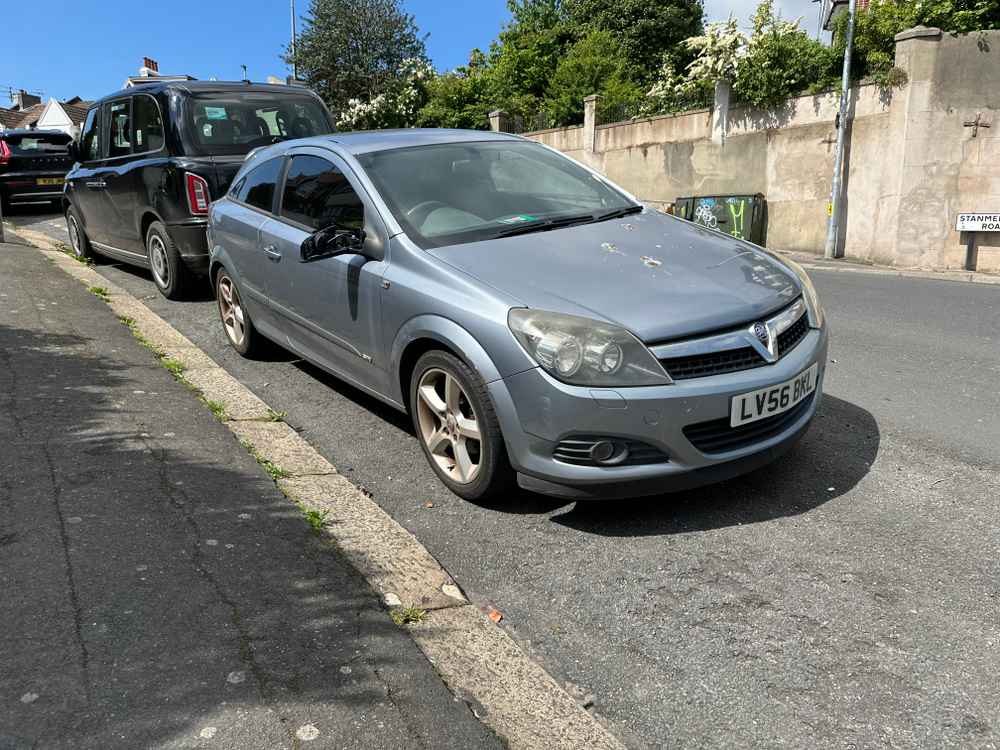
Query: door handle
pixel 272 252
pixel 96 184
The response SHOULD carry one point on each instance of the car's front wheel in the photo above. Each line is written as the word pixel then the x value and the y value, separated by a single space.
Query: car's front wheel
pixel 458 429
pixel 77 236
pixel 172 277
pixel 235 320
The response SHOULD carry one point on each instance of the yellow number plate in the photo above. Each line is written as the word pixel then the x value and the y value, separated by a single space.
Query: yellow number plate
pixel 49 181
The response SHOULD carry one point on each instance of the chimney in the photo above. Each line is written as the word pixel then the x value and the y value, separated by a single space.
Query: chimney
pixel 22 99
pixel 150 68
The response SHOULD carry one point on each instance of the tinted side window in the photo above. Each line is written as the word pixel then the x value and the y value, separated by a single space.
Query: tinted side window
pixel 90 141
pixel 120 128
pixel 148 132
pixel 259 185
pixel 318 195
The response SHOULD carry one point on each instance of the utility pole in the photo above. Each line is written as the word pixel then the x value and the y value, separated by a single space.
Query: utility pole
pixel 295 67
pixel 836 197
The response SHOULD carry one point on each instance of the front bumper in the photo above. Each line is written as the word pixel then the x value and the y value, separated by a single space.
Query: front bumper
pixel 537 411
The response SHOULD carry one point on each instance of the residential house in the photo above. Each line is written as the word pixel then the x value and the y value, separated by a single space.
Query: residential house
pixel 29 112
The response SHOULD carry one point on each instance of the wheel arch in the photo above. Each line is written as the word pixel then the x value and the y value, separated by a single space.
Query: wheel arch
pixel 431 332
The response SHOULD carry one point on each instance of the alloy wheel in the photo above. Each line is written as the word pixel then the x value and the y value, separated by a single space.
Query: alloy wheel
pixel 231 310
pixel 74 236
pixel 158 260
pixel 448 426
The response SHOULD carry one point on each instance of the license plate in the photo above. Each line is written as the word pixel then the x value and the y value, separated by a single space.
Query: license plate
pixel 49 181
pixel 775 399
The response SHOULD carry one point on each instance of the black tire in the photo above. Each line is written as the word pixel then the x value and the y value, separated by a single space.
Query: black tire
pixel 78 241
pixel 170 275
pixel 252 343
pixel 494 476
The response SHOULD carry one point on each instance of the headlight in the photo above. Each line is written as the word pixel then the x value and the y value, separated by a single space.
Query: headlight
pixel 813 306
pixel 581 351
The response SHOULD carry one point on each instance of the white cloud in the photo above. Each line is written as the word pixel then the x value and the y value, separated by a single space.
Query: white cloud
pixel 742 11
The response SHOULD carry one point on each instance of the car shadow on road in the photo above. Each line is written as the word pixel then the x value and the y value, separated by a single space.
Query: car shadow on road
pixel 833 457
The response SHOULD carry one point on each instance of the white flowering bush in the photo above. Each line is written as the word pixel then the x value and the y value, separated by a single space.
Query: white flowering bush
pixel 397 106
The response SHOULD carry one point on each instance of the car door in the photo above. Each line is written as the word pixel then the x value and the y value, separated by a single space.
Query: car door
pixel 237 227
pixel 119 190
pixel 85 183
pixel 330 305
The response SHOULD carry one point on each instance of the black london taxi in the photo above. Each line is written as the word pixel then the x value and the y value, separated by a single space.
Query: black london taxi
pixel 153 157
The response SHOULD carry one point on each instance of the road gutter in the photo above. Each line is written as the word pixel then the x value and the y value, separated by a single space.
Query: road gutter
pixel 478 660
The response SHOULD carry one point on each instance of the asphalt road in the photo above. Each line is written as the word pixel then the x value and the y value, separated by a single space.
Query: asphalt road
pixel 848 596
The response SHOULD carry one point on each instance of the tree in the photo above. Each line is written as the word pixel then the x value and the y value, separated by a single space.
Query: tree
pixel 781 60
pixel 645 29
pixel 520 63
pixel 397 105
pixel 594 65
pixel 876 29
pixel 354 49
pixel 458 99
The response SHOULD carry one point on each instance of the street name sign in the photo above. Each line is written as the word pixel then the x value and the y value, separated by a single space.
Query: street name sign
pixel 978 223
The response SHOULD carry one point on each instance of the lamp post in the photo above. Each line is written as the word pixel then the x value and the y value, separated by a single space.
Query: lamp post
pixel 836 197
pixel 295 67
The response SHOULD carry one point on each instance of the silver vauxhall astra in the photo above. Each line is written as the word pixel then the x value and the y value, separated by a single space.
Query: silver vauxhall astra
pixel 538 323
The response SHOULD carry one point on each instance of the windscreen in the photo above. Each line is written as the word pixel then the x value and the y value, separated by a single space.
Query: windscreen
pixel 445 194
pixel 223 123
pixel 38 144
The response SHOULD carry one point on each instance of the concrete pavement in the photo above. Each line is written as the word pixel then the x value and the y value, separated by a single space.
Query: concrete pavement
pixel 846 596
pixel 158 590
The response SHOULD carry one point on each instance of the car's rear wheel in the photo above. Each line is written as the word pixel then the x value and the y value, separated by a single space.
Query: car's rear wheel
pixel 77 236
pixel 457 426
pixel 171 276
pixel 236 322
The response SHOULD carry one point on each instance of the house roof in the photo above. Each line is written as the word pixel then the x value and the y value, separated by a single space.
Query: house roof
pixel 9 118
pixel 30 115
pixel 77 111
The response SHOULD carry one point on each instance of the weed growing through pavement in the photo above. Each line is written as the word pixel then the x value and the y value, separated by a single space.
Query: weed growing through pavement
pixel 316 519
pixel 100 292
pixel 407 615
pixel 272 469
pixel 64 248
pixel 217 408
pixel 276 416
pixel 174 367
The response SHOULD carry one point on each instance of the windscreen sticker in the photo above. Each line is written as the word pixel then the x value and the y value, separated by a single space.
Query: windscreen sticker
pixel 215 113
pixel 518 219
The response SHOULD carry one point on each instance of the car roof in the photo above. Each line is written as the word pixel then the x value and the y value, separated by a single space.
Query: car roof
pixel 367 141
pixel 197 87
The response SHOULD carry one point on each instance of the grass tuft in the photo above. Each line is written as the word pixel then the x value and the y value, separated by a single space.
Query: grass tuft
pixel 217 408
pixel 272 469
pixel 316 519
pixel 407 615
pixel 100 292
pixel 276 416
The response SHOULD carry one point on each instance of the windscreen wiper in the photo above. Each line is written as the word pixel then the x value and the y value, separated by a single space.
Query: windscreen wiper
pixel 618 213
pixel 545 225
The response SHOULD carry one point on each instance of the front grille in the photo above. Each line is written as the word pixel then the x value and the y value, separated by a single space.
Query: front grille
pixel 576 451
pixel 713 363
pixel 791 337
pixel 716 436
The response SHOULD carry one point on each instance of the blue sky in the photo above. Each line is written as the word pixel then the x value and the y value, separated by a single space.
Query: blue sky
pixel 88 48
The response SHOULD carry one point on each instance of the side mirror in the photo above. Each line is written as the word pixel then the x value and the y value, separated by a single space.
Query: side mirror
pixel 326 243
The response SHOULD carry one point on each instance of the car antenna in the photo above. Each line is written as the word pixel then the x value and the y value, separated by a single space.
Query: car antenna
pixel 245 79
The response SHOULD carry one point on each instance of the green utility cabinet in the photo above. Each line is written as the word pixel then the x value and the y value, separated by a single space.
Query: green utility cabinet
pixel 742 216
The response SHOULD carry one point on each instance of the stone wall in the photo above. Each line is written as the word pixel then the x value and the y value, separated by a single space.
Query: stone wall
pixel 911 164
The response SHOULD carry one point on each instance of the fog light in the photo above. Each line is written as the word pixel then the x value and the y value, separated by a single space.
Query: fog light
pixel 607 453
